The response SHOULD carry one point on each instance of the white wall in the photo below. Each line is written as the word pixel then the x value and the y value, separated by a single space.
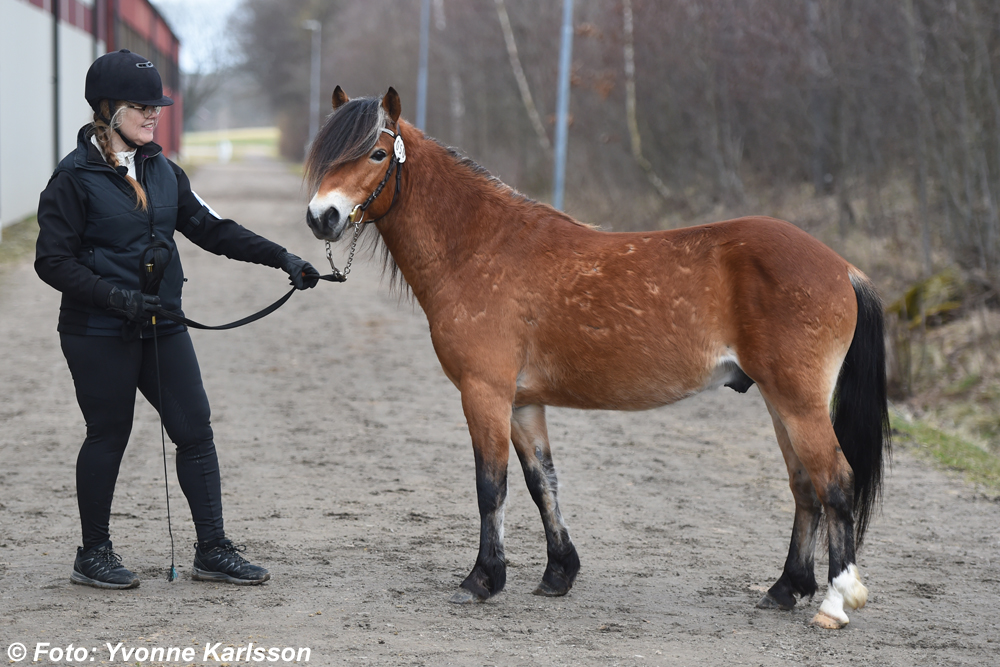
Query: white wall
pixel 76 53
pixel 26 123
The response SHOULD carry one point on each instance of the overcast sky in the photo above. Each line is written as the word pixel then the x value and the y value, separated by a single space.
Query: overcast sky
pixel 202 27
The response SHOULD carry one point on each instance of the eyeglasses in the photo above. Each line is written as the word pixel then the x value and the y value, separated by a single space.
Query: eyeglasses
pixel 147 111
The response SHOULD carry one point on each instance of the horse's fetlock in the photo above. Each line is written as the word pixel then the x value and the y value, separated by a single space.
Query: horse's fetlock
pixel 487 578
pixel 567 560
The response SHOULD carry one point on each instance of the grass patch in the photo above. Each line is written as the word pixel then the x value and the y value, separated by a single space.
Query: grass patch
pixel 18 242
pixel 245 135
pixel 198 148
pixel 978 466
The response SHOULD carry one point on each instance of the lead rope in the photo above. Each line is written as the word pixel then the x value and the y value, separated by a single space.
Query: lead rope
pixel 172 574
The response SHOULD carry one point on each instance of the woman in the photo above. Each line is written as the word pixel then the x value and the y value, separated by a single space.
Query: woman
pixel 107 203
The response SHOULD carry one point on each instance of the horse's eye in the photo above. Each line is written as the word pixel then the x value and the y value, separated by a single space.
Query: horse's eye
pixel 378 155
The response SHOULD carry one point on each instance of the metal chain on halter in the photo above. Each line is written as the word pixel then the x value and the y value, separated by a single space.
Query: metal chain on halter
pixel 350 257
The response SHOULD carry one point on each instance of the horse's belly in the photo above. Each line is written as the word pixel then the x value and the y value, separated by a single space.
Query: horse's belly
pixel 637 385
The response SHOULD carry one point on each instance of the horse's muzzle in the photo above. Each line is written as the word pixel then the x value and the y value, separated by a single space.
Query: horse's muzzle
pixel 329 226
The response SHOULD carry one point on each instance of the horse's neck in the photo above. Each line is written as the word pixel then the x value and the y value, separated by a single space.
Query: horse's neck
pixel 447 214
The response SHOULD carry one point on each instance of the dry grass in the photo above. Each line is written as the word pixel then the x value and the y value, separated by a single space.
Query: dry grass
pixel 18 242
pixel 955 377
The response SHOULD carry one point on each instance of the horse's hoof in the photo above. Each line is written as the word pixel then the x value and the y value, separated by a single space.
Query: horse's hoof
pixel 463 596
pixel 768 602
pixel 821 620
pixel 548 591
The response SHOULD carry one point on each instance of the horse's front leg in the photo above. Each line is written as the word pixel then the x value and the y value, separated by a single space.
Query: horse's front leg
pixel 488 411
pixel 531 442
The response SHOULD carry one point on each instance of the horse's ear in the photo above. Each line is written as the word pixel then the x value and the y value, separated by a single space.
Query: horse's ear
pixel 340 98
pixel 391 104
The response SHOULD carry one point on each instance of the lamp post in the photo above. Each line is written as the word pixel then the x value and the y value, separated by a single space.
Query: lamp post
pixel 562 105
pixel 316 28
pixel 425 23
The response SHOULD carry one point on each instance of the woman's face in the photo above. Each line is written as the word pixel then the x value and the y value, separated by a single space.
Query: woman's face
pixel 138 123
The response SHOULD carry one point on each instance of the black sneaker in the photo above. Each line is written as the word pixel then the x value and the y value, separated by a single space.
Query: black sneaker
pixel 225 562
pixel 101 567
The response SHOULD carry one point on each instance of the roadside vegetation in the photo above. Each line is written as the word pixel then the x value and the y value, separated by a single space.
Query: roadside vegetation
pixel 198 148
pixel 18 242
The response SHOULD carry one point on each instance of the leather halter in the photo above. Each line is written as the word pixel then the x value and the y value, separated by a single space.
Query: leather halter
pixel 357 215
pixel 396 162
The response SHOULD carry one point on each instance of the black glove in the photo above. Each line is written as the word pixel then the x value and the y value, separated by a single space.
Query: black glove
pixel 133 304
pixel 303 274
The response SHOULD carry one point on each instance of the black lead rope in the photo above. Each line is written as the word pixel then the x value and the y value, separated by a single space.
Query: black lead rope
pixel 172 574
pixel 176 317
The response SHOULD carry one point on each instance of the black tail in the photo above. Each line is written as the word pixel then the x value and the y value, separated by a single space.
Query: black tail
pixel 860 407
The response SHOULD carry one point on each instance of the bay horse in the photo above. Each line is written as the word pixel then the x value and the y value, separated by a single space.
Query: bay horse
pixel 528 308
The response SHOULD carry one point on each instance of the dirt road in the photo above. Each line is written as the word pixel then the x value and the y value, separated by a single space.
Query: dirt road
pixel 348 471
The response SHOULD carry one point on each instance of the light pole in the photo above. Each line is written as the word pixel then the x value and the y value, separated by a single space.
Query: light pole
pixel 562 105
pixel 425 28
pixel 316 28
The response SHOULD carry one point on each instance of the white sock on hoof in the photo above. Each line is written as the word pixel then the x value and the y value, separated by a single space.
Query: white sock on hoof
pixel 848 583
pixel 846 588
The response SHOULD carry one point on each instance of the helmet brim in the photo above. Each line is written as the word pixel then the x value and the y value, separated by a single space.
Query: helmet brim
pixel 162 102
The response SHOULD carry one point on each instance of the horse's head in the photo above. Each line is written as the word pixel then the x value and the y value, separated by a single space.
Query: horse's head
pixel 349 158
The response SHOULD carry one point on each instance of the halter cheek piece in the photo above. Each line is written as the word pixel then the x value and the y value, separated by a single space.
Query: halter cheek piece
pixel 357 215
pixel 398 158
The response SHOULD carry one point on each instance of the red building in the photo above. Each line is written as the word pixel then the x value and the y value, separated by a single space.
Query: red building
pixel 137 26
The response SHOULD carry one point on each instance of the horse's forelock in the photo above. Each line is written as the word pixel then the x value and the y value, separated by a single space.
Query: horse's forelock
pixel 350 133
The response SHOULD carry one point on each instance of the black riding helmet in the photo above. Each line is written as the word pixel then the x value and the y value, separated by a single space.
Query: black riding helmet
pixel 123 75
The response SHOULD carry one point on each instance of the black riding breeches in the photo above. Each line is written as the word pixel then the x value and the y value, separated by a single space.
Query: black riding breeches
pixel 106 371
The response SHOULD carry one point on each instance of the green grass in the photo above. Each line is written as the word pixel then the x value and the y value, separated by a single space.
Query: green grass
pixel 978 466
pixel 199 148
pixel 246 135
pixel 18 242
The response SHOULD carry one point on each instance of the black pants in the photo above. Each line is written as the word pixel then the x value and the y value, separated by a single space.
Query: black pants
pixel 107 371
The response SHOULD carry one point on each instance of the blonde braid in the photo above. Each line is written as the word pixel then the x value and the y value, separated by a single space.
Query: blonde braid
pixel 102 132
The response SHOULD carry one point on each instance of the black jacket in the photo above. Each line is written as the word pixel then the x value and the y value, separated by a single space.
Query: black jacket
pixel 91 234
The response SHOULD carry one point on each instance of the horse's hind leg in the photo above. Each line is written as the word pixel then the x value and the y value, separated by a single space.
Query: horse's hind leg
pixel 531 442
pixel 815 444
pixel 798 576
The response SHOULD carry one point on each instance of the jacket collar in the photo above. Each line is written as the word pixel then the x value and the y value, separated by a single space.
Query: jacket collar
pixel 88 156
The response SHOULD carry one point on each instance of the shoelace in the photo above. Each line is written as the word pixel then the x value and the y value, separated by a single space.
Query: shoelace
pixel 234 551
pixel 108 557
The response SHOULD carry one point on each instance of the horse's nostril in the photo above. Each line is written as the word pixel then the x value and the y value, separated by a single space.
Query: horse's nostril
pixel 310 218
pixel 331 217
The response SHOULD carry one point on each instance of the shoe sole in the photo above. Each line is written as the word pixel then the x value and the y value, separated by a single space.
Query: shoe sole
pixel 84 580
pixel 205 575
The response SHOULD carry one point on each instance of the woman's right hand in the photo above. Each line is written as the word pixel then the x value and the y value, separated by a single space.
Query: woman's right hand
pixel 133 304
